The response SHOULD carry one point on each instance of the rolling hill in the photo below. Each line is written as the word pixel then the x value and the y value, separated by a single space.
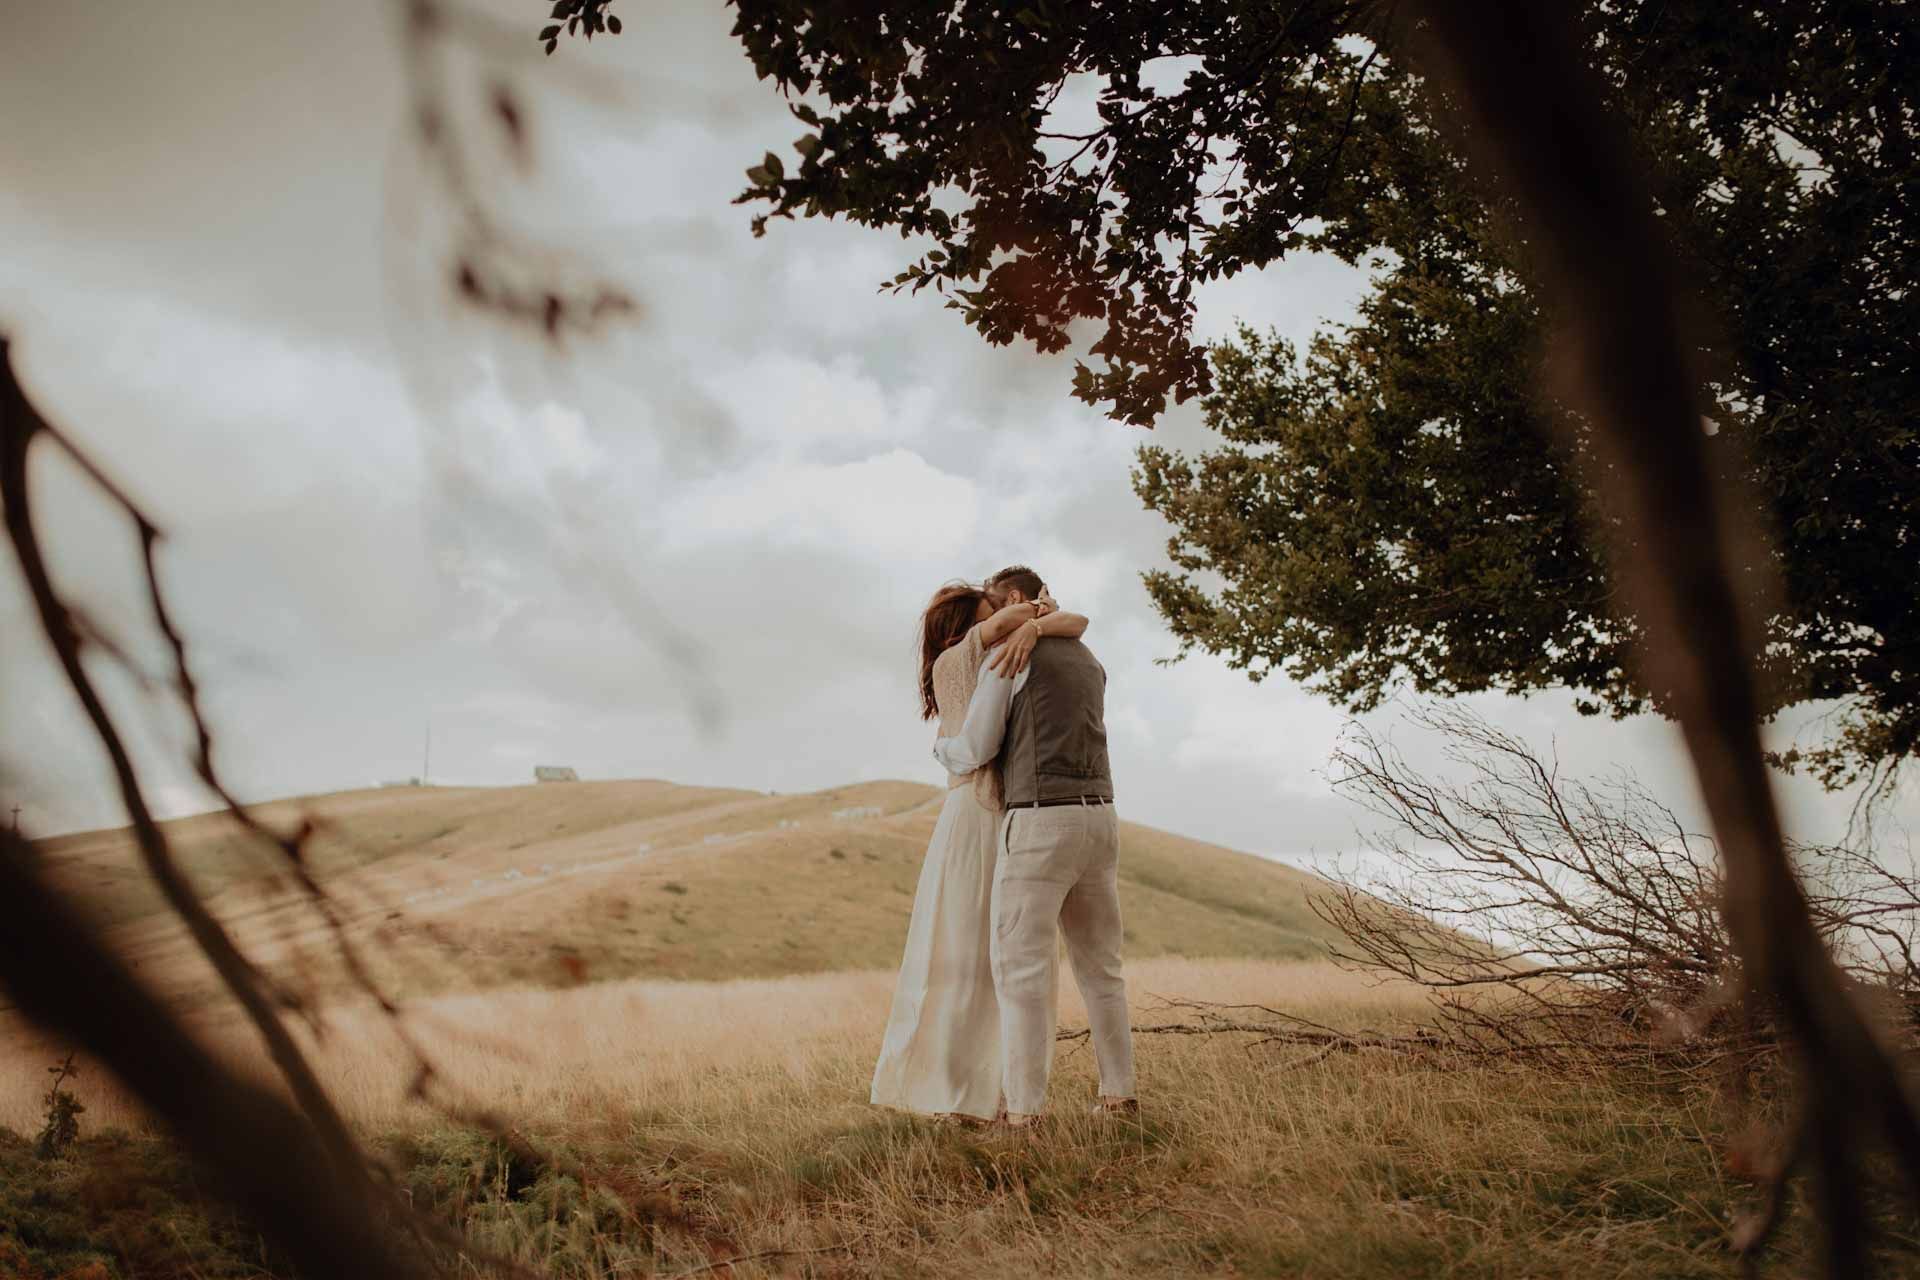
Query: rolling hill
pixel 449 888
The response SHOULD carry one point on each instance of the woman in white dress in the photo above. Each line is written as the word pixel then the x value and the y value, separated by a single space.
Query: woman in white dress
pixel 941 1055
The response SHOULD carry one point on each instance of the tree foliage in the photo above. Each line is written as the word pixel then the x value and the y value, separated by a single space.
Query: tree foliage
pixel 1213 134
pixel 1379 510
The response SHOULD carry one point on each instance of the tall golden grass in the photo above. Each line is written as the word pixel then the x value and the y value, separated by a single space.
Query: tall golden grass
pixel 544 1056
pixel 743 1105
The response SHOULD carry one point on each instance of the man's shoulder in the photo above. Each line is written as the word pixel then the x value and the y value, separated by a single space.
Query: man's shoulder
pixel 1057 656
pixel 1063 644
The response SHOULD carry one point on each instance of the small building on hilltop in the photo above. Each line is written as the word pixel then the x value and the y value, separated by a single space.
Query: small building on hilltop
pixel 554 773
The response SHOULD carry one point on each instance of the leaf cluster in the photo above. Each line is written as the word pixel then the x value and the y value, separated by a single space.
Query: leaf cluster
pixel 1216 134
pixel 578 17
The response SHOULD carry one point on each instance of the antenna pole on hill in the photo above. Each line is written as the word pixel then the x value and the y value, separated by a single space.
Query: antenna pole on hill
pixel 426 756
pixel 16 819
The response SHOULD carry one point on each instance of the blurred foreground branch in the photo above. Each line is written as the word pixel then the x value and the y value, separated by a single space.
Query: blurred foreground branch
pixel 269 1157
pixel 1531 114
pixel 297 1168
pixel 21 426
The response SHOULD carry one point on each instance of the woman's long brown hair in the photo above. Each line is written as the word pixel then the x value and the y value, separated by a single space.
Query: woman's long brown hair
pixel 949 616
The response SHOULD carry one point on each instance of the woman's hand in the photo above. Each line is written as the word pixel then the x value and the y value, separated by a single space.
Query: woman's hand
pixel 1006 620
pixel 1011 658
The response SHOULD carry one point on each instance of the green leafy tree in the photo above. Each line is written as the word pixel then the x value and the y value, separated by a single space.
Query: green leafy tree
pixel 1377 513
pixel 1379 510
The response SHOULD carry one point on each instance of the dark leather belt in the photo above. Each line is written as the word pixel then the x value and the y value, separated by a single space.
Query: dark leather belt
pixel 1054 804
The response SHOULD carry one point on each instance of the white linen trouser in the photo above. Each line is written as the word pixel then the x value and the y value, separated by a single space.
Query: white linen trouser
pixel 1059 867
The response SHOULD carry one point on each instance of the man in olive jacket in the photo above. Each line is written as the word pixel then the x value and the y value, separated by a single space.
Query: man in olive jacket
pixel 1059 854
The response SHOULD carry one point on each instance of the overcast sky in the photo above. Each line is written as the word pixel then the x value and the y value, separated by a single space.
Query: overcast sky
pixel 693 548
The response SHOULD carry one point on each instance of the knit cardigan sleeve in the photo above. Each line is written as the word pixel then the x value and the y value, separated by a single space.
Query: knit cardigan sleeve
pixel 955 675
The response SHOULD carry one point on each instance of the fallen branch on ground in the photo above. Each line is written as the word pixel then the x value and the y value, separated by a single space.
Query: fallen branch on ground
pixel 1277 1027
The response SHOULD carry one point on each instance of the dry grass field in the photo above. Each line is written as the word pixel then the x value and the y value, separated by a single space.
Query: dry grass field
pixel 686 1123
pixel 666 1122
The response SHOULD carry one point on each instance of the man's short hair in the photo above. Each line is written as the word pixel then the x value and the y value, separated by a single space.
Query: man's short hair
pixel 1015 577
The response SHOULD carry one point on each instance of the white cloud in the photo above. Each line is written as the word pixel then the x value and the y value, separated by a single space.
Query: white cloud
pixel 492 447
pixel 787 405
pixel 891 503
pixel 1270 734
pixel 252 420
pixel 1126 723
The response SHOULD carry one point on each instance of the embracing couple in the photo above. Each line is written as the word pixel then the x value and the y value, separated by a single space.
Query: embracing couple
pixel 1026 848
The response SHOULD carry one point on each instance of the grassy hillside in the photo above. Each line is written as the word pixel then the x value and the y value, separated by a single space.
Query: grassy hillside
pixel 360 828
pixel 686 1124
pixel 458 888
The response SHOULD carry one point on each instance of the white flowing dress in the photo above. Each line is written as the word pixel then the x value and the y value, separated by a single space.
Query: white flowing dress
pixel 941 1054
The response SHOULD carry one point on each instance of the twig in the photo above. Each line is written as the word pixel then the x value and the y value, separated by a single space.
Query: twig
pixel 341 1175
pixel 1277 1032
pixel 20 424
